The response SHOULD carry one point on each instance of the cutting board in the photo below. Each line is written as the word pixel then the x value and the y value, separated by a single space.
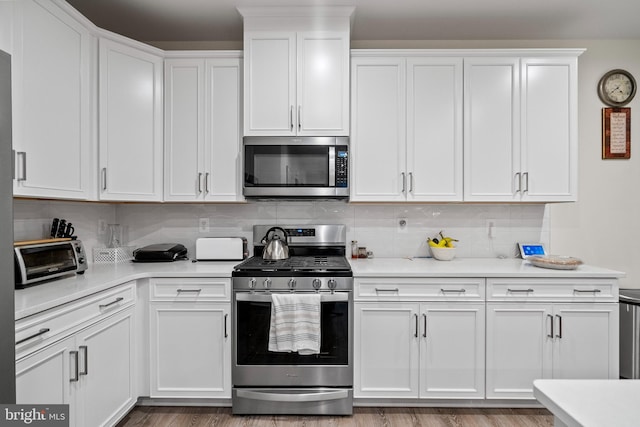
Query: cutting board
pixel 40 241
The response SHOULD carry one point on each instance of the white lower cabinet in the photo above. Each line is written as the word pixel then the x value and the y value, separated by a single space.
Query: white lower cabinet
pixel 91 371
pixel 190 339
pixel 419 349
pixel 535 340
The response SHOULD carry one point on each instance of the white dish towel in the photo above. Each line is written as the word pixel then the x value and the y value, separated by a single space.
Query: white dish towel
pixel 295 323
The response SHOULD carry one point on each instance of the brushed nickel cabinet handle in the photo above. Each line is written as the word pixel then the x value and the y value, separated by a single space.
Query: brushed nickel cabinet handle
pixel 515 291
pixel 299 117
pixel 404 182
pixel 424 317
pixel 185 291
pixel 519 177
pixel 559 334
pixel 117 300
pixel 387 290
pixel 206 182
pixel 85 350
pixel 226 334
pixel 526 182
pixel 454 291
pixel 587 291
pixel 416 334
pixel 551 321
pixel 23 156
pixel 76 377
pixel 104 179
pixel 410 182
pixel 291 118
pixel 37 334
pixel 199 182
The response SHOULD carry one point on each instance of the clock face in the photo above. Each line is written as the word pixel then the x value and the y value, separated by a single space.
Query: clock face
pixel 617 88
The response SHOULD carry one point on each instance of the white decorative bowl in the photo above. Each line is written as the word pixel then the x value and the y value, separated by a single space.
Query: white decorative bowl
pixel 443 254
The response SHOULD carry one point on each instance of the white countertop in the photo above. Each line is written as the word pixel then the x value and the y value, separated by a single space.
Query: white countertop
pixel 99 277
pixel 591 403
pixel 468 267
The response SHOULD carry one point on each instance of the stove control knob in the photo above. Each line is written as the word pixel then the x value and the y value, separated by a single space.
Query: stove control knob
pixel 267 283
pixel 292 284
pixel 332 284
pixel 317 283
pixel 252 283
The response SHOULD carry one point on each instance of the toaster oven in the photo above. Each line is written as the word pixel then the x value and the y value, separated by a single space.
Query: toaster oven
pixel 43 261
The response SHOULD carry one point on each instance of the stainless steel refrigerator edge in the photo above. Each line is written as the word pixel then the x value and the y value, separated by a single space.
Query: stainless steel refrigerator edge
pixel 7 285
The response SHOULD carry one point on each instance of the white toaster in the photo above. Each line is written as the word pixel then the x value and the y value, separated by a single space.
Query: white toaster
pixel 221 249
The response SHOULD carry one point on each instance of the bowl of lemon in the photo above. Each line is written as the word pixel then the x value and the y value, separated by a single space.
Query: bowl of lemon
pixel 442 247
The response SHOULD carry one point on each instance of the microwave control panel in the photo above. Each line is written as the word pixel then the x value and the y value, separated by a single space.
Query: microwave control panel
pixel 342 167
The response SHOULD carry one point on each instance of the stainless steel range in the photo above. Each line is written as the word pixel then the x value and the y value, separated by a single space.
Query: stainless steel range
pixel 294 382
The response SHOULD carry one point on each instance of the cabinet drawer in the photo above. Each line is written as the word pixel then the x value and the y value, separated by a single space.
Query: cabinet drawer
pixel 570 290
pixel 182 289
pixel 404 289
pixel 37 331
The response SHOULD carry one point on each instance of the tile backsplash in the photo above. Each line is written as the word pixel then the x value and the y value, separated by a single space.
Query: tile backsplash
pixel 483 230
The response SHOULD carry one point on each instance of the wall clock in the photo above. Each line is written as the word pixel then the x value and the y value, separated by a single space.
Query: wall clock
pixel 617 88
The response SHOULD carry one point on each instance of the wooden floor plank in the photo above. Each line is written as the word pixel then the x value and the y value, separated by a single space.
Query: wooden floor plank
pixel 164 416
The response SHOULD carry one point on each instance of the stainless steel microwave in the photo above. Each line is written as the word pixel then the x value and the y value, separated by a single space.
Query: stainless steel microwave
pixel 43 261
pixel 290 167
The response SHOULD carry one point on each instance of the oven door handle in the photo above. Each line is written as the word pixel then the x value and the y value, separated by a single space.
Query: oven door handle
pixel 293 397
pixel 324 297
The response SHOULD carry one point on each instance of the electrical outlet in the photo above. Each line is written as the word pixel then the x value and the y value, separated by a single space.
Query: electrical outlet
pixel 403 225
pixel 491 228
pixel 203 225
pixel 102 227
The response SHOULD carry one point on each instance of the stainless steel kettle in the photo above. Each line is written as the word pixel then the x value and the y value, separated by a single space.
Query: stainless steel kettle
pixel 275 249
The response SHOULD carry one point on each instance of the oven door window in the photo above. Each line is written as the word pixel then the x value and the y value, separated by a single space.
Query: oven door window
pixel 47 260
pixel 252 336
pixel 286 166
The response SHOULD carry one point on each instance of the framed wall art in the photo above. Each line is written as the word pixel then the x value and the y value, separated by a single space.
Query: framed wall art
pixel 616 133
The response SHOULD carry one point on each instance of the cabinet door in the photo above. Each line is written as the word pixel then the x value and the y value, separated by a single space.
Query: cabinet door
pixel 434 129
pixel 386 349
pixel 491 130
pixel 130 119
pixel 519 349
pixel 378 130
pixel 184 129
pixel 586 341
pixel 106 352
pixel 270 83
pixel 46 378
pixel 452 351
pixel 51 102
pixel 323 83
pixel 549 129
pixel 222 148
pixel 190 350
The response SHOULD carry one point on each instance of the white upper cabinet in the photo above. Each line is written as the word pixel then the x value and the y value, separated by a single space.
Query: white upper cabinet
pixel 434 129
pixel 51 101
pixel 296 72
pixel 406 136
pixel 491 110
pixel 202 128
pixel 549 129
pixel 130 123
pixel 520 133
pixel 378 130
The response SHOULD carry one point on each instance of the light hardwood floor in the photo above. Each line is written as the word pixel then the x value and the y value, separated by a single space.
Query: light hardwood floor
pixel 157 416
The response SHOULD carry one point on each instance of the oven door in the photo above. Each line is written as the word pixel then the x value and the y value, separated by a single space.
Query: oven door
pixel 254 365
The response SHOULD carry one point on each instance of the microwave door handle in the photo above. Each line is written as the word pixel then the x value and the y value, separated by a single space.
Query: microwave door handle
pixel 332 166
